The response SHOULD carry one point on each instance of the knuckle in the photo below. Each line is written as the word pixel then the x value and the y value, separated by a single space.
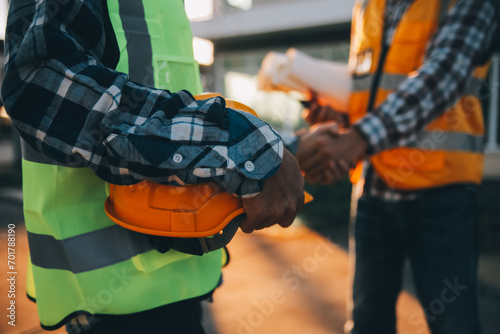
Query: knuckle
pixel 290 212
pixel 286 223
pixel 246 229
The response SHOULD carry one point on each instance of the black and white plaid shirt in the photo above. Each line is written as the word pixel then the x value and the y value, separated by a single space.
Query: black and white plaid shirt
pixel 461 40
pixel 69 105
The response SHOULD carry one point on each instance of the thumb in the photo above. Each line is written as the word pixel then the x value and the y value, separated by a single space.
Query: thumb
pixel 333 129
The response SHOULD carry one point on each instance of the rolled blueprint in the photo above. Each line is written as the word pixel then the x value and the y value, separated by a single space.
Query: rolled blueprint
pixel 296 71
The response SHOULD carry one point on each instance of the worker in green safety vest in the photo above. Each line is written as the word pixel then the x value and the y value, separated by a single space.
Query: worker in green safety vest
pixel 102 91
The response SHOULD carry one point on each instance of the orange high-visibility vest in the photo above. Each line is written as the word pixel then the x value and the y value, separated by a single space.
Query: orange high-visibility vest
pixel 450 150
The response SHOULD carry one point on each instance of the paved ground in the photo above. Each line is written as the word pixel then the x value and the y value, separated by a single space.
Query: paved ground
pixel 279 281
pixel 292 282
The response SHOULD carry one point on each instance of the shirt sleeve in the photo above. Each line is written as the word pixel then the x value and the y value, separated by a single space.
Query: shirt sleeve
pixel 78 112
pixel 451 56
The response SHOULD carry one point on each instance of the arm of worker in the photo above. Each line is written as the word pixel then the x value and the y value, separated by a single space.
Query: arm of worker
pixel 315 113
pixel 75 110
pixel 461 39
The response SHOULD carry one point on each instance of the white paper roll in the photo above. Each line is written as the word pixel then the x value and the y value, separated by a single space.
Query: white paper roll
pixel 296 71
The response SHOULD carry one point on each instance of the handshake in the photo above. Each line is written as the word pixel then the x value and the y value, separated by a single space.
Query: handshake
pixel 326 152
pixel 328 149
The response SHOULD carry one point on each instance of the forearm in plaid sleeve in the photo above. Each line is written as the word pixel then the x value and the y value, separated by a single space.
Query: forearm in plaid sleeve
pixel 74 110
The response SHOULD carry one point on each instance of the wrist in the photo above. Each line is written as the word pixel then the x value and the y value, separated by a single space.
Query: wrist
pixel 359 143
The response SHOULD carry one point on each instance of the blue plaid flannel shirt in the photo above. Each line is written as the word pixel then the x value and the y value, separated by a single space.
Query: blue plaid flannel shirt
pixel 74 109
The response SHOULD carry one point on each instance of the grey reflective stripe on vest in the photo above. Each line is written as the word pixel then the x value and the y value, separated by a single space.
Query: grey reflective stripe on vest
pixel 89 251
pixel 139 49
pixel 387 82
pixel 361 83
pixel 392 81
pixel 450 141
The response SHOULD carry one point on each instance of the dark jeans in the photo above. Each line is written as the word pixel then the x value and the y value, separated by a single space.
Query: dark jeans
pixel 438 233
pixel 183 317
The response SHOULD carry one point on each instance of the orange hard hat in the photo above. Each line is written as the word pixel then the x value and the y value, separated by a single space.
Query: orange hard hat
pixel 201 211
pixel 192 211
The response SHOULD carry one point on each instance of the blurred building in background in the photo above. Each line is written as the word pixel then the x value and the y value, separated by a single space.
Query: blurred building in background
pixel 244 31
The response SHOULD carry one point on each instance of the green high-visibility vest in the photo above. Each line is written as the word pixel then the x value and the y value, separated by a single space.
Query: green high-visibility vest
pixel 80 261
